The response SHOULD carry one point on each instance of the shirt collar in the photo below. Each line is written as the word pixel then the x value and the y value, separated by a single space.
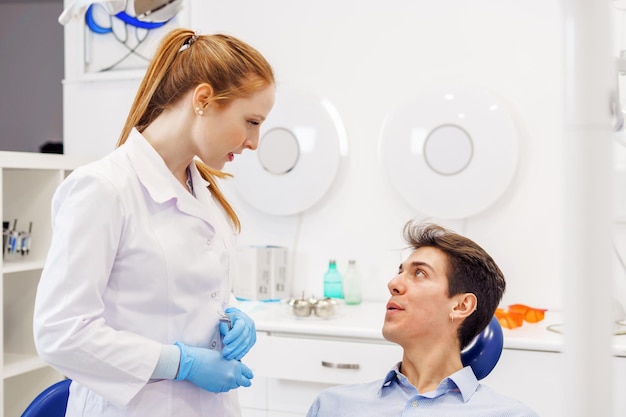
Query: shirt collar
pixel 151 169
pixel 159 181
pixel 463 381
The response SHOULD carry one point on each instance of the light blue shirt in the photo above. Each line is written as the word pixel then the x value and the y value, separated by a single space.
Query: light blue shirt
pixel 460 394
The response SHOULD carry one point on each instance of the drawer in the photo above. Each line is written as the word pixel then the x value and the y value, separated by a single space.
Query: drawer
pixel 327 361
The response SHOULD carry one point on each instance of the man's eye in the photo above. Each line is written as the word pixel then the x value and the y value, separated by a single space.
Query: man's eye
pixel 253 122
pixel 419 273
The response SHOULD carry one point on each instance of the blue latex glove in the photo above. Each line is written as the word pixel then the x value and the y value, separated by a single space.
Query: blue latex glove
pixel 239 339
pixel 207 369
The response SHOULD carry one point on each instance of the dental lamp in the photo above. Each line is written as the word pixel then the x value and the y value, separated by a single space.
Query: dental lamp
pixel 144 10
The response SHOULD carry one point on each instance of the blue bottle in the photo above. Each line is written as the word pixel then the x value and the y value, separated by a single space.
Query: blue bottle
pixel 333 285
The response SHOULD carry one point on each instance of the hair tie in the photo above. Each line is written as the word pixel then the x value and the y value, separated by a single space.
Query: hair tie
pixel 188 42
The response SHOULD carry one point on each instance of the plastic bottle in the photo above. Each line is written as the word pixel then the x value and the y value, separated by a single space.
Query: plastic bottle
pixel 352 284
pixel 333 286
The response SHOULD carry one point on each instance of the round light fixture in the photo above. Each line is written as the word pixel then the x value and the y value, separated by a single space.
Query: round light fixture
pixel 297 158
pixel 450 152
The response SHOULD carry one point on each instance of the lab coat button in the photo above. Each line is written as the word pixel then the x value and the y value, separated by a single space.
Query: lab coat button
pixel 209 241
pixel 213 294
pixel 213 344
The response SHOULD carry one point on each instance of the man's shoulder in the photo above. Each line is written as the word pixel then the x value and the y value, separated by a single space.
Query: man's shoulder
pixel 509 405
pixel 362 400
pixel 350 390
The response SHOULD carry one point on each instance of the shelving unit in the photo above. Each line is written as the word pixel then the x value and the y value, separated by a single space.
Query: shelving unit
pixel 28 183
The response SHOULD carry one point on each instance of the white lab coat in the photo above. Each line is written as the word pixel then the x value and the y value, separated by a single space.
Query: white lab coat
pixel 135 262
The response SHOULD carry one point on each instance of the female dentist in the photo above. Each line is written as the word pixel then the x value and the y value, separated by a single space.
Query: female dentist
pixel 139 269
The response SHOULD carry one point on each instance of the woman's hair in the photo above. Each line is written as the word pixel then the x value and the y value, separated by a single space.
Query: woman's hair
pixel 184 60
pixel 469 269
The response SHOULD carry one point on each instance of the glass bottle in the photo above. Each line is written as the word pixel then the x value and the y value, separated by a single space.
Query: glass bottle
pixel 352 284
pixel 333 287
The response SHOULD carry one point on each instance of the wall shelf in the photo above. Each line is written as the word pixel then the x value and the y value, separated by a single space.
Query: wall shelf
pixel 18 364
pixel 28 182
pixel 10 267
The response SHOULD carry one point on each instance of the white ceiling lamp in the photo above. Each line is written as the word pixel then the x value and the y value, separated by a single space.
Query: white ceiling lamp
pixel 449 151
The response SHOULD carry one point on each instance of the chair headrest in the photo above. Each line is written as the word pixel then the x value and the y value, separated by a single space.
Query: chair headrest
pixel 483 353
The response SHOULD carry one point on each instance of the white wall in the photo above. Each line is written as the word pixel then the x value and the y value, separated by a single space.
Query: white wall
pixel 369 56
pixel 366 57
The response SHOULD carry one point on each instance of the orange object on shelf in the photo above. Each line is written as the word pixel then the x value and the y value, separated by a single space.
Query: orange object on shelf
pixel 531 314
pixel 516 314
pixel 509 319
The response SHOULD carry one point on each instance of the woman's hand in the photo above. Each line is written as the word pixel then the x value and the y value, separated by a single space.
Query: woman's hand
pixel 239 339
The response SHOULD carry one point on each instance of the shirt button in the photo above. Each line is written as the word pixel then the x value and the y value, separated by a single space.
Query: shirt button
pixel 213 294
pixel 414 403
pixel 208 241
pixel 213 344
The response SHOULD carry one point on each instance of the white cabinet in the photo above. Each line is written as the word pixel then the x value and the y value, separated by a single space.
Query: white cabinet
pixel 28 183
pixel 325 361
pixel 290 370
pixel 294 359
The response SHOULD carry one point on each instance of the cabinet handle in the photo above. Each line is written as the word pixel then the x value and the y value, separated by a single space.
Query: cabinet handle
pixel 341 365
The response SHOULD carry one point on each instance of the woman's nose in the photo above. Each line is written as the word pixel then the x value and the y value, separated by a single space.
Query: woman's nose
pixel 252 143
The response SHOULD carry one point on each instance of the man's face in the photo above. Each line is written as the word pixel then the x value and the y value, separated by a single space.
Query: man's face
pixel 419 306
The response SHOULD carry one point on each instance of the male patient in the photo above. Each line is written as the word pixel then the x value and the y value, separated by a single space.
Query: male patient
pixel 445 293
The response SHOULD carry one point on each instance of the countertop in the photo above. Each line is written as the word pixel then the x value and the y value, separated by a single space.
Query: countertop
pixel 364 322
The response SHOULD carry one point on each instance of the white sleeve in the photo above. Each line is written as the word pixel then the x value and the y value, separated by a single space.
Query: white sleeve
pixel 169 362
pixel 70 332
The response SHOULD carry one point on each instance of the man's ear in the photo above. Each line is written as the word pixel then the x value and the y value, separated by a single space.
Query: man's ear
pixel 466 304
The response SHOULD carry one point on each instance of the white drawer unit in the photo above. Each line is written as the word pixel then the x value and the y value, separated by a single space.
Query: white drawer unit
pixel 327 361
pixel 290 370
pixel 294 359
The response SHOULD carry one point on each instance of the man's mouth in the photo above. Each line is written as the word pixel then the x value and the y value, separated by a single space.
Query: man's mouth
pixel 393 306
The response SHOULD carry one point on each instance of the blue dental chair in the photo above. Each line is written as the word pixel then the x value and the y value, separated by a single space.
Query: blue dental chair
pixel 51 402
pixel 483 353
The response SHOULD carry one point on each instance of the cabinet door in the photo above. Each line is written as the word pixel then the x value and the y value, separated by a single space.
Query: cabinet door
pixel 250 412
pixel 292 397
pixel 290 371
pixel 253 397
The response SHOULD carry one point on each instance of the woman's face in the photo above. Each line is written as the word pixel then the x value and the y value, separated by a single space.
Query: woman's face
pixel 223 133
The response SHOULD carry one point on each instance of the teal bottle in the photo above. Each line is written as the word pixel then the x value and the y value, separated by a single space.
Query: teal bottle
pixel 333 285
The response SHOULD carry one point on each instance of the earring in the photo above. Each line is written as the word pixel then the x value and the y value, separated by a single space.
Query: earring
pixel 199 111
